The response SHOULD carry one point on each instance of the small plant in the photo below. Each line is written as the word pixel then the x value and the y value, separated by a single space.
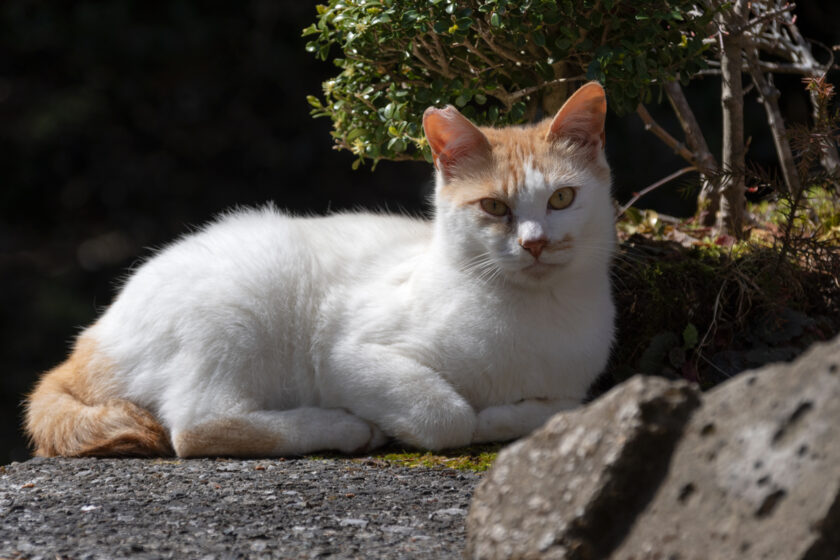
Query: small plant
pixel 498 61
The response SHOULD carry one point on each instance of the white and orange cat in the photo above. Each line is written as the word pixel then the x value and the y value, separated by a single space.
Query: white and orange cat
pixel 265 334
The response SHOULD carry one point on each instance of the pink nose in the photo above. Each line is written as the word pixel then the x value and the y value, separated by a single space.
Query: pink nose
pixel 534 246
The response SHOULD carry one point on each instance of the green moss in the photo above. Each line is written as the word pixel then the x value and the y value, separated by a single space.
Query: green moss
pixel 477 458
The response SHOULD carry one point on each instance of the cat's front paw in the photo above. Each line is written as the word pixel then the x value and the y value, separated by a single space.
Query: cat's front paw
pixel 437 428
pixel 360 436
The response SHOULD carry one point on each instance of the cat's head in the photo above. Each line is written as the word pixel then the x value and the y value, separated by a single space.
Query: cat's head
pixel 526 204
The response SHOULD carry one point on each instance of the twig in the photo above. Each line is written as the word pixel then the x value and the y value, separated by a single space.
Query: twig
pixel 770 98
pixel 712 325
pixel 533 89
pixel 765 66
pixel 499 50
pixel 710 193
pixel 654 186
pixel 764 17
pixel 441 68
pixel 651 125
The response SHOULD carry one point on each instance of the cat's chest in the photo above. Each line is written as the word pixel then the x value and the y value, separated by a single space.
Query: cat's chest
pixel 503 351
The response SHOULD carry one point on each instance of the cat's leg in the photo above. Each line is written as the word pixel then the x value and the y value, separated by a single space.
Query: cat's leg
pixel 266 433
pixel 408 400
pixel 510 421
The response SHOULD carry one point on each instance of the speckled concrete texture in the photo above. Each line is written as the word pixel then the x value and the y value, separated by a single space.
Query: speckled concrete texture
pixel 305 508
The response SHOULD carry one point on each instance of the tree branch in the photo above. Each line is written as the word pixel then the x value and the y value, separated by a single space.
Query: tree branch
pixel 652 126
pixel 770 98
pixel 427 61
pixel 654 186
pixel 731 216
pixel 533 89
pixel 706 162
pixel 766 16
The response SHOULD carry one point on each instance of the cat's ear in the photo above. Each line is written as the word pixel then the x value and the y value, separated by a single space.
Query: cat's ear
pixel 456 143
pixel 581 118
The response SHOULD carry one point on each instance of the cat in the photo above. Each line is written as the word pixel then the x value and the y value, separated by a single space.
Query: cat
pixel 270 335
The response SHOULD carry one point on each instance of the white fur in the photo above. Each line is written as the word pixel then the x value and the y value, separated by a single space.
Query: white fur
pixel 313 329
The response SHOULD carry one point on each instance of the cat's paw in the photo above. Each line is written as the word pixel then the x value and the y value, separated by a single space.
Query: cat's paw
pixel 377 439
pixel 440 427
pixel 358 436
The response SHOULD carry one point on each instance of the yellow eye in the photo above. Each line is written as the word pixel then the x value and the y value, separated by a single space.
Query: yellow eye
pixel 562 198
pixel 494 207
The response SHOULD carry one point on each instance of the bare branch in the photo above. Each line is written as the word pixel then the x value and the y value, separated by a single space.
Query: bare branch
pixel 654 186
pixel 766 16
pixel 427 62
pixel 533 89
pixel 770 98
pixel 706 162
pixel 654 127
pixel 764 66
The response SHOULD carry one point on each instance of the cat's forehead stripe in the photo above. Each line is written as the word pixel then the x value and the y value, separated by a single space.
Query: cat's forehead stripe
pixel 534 178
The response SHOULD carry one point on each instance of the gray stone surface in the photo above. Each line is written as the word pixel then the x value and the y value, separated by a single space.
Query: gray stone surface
pixel 757 474
pixel 573 487
pixel 754 472
pixel 119 508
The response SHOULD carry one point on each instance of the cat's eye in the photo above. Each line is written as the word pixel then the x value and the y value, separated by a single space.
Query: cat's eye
pixel 494 207
pixel 562 198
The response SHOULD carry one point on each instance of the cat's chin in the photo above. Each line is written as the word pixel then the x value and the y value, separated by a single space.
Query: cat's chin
pixel 538 272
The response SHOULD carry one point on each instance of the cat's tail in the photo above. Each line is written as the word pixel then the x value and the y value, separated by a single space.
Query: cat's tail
pixel 71 413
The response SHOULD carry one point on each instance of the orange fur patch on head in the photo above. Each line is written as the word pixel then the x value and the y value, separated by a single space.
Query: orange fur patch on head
pixel 227 437
pixel 513 149
pixel 568 137
pixel 75 411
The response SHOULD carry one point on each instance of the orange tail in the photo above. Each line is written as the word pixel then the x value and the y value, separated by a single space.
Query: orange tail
pixel 70 413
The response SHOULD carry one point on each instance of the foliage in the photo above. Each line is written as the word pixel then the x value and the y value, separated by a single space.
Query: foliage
pixel 706 313
pixel 498 61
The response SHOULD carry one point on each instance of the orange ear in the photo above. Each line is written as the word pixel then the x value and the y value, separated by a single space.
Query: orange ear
pixel 456 143
pixel 581 118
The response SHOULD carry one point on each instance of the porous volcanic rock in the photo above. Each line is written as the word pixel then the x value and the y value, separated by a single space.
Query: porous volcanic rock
pixel 753 472
pixel 574 486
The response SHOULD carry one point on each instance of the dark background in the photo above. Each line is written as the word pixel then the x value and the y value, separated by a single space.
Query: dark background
pixel 123 124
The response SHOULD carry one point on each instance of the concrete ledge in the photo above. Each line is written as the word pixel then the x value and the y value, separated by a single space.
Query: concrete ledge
pixel 116 508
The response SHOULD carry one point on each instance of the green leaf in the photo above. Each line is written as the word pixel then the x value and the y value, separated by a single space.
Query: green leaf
pixel 690 336
pixel 314 101
pixel 397 144
pixel 355 133
pixel 653 358
pixel 495 20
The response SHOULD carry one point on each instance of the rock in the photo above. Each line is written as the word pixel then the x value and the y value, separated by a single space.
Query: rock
pixel 754 472
pixel 559 492
pixel 757 474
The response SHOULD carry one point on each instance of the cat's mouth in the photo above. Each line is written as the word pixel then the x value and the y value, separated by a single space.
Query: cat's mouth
pixel 540 269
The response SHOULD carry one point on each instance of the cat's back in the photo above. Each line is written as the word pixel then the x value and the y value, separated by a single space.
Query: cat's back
pixel 263 260
pixel 250 287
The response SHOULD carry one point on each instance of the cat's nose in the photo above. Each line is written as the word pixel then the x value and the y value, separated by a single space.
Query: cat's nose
pixel 534 246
